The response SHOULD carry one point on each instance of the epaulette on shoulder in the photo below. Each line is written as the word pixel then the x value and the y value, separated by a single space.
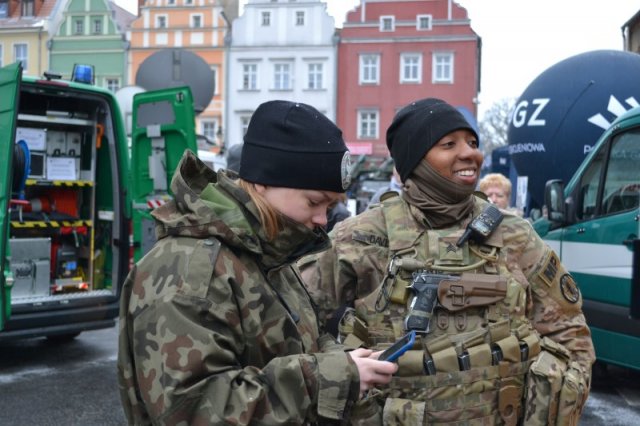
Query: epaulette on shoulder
pixel 388 195
pixel 481 195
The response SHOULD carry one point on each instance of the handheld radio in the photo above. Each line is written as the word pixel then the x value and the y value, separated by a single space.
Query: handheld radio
pixel 483 225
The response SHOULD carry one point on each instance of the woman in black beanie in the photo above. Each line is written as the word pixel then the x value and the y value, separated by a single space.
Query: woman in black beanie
pixel 502 336
pixel 216 325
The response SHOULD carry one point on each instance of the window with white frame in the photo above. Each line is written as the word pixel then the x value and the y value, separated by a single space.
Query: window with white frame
pixel 96 25
pixel 161 21
pixel 196 21
pixel 423 22
pixel 28 8
pixel 113 84
pixel 387 23
pixel 4 8
pixel 188 2
pixel 367 124
pixel 315 76
pixel 300 18
pixel 209 128
pixel 282 76
pixel 244 123
pixel 171 2
pixel 369 69
pixel 442 67
pixel 20 54
pixel 266 19
pixel 249 76
pixel 78 26
pixel 410 68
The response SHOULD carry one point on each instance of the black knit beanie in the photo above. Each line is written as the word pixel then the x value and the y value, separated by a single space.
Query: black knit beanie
pixel 293 145
pixel 417 127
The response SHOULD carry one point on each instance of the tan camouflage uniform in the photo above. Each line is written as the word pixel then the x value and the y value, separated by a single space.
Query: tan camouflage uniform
pixel 215 324
pixel 519 295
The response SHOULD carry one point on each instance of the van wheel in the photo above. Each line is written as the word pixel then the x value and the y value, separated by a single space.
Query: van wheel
pixel 62 338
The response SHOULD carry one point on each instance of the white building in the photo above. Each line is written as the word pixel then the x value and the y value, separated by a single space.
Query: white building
pixel 280 49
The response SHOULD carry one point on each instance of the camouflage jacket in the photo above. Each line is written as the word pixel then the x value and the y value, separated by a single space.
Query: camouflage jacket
pixel 354 268
pixel 215 324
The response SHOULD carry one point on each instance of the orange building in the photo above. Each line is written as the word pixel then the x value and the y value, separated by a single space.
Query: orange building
pixel 198 26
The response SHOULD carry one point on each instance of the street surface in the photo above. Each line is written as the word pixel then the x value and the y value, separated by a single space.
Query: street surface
pixel 74 383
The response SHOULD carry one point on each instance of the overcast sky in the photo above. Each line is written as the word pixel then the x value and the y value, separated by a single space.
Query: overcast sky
pixel 522 38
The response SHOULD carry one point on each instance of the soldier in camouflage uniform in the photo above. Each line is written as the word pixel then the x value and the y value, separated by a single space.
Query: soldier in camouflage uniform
pixel 216 326
pixel 501 334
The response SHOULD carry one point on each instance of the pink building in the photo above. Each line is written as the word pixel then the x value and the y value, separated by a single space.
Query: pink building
pixel 394 52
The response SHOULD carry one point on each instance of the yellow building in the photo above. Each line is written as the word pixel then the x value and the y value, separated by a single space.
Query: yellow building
pixel 25 28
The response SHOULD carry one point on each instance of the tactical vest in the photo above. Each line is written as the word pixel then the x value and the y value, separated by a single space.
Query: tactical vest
pixel 470 366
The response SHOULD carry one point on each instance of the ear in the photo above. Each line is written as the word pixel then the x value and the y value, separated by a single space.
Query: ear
pixel 260 189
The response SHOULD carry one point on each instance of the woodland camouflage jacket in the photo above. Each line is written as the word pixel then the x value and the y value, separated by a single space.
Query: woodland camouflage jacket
pixel 215 324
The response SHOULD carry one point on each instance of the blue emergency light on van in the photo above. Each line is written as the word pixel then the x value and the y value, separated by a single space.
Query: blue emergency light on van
pixel 82 73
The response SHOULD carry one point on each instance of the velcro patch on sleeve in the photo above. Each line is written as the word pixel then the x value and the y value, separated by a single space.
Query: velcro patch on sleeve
pixel 569 289
pixel 549 269
pixel 370 238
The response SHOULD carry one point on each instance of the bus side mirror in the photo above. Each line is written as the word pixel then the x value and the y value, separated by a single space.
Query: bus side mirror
pixel 554 200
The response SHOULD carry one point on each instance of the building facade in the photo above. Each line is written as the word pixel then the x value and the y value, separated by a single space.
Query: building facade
pixel 198 26
pixel 25 28
pixel 394 52
pixel 280 49
pixel 631 33
pixel 92 32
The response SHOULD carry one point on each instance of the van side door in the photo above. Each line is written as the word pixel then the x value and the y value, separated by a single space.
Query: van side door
pixel 598 246
pixel 163 128
pixel 9 93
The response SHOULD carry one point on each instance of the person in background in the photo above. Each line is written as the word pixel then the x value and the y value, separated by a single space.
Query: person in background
pixel 337 212
pixel 395 185
pixel 215 325
pixel 233 157
pixel 497 188
pixel 501 334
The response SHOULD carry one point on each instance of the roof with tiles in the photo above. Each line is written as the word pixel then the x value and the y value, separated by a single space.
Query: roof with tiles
pixel 122 16
pixel 43 10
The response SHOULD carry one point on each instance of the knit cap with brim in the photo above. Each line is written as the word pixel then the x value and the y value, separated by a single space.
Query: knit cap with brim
pixel 417 127
pixel 293 145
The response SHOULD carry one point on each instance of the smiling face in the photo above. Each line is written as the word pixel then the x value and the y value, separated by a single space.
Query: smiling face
pixel 456 157
pixel 305 206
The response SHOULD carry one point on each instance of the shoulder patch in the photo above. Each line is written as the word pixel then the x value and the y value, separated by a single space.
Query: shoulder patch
pixel 569 288
pixel 370 238
pixel 550 268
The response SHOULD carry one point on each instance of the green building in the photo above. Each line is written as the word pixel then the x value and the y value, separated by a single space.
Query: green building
pixel 92 32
